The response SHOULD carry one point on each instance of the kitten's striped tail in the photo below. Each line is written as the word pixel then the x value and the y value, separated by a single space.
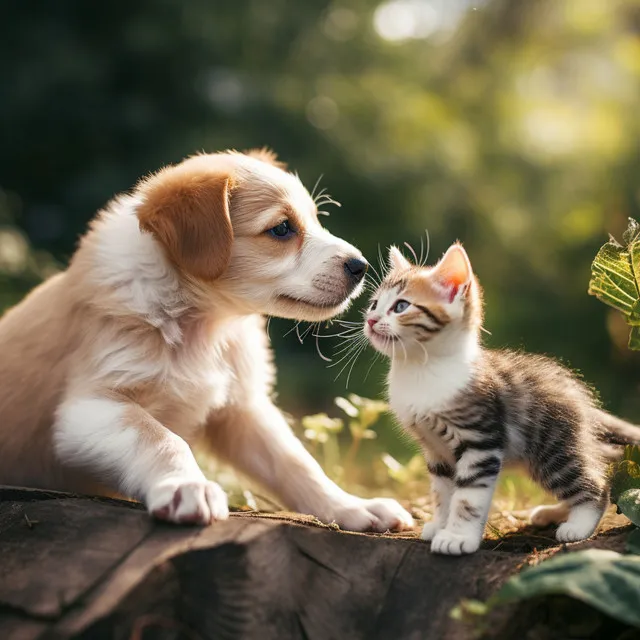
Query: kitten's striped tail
pixel 616 433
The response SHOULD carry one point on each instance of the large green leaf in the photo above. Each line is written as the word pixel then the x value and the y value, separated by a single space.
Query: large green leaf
pixel 614 278
pixel 629 504
pixel 606 580
pixel 633 541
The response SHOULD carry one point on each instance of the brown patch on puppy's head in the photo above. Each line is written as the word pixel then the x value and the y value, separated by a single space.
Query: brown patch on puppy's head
pixel 187 209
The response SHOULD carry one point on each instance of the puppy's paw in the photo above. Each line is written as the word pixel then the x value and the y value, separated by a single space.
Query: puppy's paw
pixel 430 529
pixel 548 514
pixel 455 544
pixel 378 514
pixel 188 502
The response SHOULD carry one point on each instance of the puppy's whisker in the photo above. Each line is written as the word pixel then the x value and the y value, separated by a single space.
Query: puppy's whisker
pixel 315 186
pixel 325 358
pixel 306 332
pixel 295 326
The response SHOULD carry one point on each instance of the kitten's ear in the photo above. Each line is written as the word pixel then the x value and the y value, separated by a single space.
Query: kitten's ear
pixel 397 262
pixel 453 273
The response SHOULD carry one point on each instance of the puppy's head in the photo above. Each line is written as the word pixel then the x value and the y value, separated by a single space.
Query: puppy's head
pixel 240 223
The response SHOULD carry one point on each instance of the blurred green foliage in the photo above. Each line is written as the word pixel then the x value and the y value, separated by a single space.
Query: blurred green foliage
pixel 512 126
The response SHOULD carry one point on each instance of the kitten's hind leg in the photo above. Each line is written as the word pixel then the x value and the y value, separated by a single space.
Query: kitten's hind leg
pixel 578 479
pixel 548 514
pixel 582 521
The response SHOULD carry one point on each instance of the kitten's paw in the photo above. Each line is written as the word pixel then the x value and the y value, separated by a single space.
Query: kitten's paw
pixel 188 502
pixel 430 529
pixel 454 544
pixel 378 514
pixel 548 514
pixel 582 522
pixel 573 532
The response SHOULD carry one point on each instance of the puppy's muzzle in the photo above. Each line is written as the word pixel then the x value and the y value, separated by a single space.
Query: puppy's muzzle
pixel 355 268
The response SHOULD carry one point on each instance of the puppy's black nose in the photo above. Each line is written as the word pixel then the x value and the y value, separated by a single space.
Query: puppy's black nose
pixel 356 268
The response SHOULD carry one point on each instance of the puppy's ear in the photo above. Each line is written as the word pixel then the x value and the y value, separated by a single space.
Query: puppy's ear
pixel 187 211
pixel 266 155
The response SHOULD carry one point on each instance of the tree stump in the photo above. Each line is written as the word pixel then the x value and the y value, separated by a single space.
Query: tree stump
pixel 81 567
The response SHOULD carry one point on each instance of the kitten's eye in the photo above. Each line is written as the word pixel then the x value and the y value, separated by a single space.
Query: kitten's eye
pixel 282 230
pixel 400 306
pixel 373 306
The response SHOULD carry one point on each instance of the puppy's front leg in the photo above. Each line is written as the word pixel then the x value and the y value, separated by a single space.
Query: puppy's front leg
pixel 257 440
pixel 128 449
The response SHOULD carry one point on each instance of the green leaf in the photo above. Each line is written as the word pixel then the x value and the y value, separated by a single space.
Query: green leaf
pixel 615 278
pixel 633 542
pixel 632 452
pixel 634 339
pixel 606 580
pixel 629 504
pixel 626 476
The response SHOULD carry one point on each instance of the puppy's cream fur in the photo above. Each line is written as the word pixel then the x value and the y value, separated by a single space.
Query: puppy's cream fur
pixel 153 339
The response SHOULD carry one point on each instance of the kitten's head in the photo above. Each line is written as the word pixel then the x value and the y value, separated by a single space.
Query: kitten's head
pixel 422 311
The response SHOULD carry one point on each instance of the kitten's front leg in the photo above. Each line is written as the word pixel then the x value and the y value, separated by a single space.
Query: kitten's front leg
pixel 475 481
pixel 442 486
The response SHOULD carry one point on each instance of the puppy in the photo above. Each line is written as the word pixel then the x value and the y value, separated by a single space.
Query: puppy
pixel 153 340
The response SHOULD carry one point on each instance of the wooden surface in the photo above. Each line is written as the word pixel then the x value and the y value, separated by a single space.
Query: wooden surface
pixel 77 567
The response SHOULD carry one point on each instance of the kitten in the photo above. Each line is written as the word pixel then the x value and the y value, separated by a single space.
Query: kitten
pixel 473 409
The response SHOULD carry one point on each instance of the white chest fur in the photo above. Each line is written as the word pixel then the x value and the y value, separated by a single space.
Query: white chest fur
pixel 418 389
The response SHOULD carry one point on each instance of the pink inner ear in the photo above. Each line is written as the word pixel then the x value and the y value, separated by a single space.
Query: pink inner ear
pixel 453 272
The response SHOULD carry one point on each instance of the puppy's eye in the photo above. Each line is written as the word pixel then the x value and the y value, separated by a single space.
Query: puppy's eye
pixel 282 230
pixel 400 306
pixel 373 306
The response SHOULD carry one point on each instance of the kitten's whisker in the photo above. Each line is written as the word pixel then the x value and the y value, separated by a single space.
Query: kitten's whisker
pixel 355 348
pixel 381 263
pixel 486 331
pixel 348 350
pixel 426 354
pixel 373 361
pixel 426 231
pixel 413 253
pixel 352 332
pixel 352 364
pixel 403 348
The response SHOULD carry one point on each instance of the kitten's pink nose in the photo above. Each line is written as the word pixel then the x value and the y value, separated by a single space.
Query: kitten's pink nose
pixel 372 321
